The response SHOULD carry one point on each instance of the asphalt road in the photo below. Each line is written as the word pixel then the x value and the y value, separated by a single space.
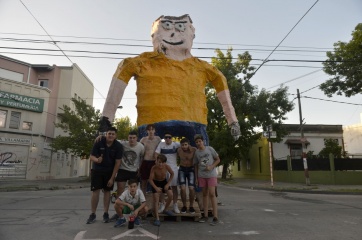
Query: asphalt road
pixel 246 214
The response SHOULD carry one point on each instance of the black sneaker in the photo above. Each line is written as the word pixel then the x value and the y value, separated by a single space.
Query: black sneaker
pixel 183 209
pixel 114 218
pixel 203 219
pixel 214 222
pixel 92 218
pixel 105 217
pixel 192 210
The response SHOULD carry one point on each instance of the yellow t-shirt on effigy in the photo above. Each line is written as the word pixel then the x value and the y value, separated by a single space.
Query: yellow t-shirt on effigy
pixel 168 89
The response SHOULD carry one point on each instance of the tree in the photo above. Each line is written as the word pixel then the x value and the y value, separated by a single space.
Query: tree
pixel 254 110
pixel 124 126
pixel 331 146
pixel 345 67
pixel 81 125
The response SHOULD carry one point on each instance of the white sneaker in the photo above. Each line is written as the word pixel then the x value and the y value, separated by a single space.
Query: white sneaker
pixel 175 208
pixel 161 208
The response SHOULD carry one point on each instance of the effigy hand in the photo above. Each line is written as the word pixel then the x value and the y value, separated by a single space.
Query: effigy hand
pixel 235 130
pixel 104 124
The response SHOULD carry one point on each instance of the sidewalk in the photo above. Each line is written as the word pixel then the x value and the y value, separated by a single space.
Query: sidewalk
pixel 10 185
pixel 293 187
pixel 7 185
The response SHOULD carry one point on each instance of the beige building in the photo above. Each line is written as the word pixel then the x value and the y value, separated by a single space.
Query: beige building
pixel 30 99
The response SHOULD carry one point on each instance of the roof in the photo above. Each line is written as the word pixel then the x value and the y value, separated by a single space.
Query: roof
pixel 313 128
pixel 295 141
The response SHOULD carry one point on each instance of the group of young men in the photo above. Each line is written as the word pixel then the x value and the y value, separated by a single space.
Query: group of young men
pixel 165 165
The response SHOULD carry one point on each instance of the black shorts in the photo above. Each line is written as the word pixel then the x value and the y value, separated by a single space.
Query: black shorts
pixel 99 180
pixel 160 184
pixel 124 175
pixel 145 169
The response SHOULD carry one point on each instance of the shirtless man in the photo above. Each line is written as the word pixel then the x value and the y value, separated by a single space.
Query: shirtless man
pixel 150 143
pixel 160 185
pixel 186 172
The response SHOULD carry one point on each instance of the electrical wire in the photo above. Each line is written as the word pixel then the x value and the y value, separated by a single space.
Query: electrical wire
pixel 284 38
pixel 333 101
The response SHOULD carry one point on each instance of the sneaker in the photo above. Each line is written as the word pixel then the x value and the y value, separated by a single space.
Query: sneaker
pixel 161 208
pixel 105 217
pixel 183 210
pixel 120 222
pixel 137 221
pixel 114 218
pixel 92 218
pixel 203 219
pixel 192 210
pixel 175 208
pixel 214 222
pixel 157 222
pixel 168 213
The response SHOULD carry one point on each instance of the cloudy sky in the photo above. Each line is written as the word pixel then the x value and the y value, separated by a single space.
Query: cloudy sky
pixel 97 35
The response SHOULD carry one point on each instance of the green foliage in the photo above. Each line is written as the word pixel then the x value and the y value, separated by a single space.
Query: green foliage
pixel 253 109
pixel 344 64
pixel 331 146
pixel 124 126
pixel 81 125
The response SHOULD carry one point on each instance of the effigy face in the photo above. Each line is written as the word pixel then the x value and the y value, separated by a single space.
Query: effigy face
pixel 173 34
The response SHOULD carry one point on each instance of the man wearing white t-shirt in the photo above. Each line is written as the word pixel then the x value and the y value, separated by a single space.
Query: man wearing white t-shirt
pixel 169 149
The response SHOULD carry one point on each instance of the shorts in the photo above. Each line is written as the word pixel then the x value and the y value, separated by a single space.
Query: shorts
pixel 186 173
pixel 124 175
pixel 160 184
pixel 208 182
pixel 99 180
pixel 127 210
pixel 145 169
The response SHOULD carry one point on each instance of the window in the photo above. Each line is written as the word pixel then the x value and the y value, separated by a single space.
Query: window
pixel 44 82
pixel 296 151
pixel 15 120
pixel 2 118
pixel 27 125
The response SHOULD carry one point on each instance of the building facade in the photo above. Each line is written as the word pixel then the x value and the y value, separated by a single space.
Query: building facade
pixel 257 165
pixel 352 135
pixel 31 97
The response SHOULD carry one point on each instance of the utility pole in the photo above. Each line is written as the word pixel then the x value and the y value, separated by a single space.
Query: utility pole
pixel 303 140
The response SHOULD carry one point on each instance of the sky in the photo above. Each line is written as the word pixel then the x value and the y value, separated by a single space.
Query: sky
pixel 122 29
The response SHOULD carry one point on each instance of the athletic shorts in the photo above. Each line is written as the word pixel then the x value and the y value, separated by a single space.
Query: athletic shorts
pixel 124 175
pixel 145 169
pixel 207 182
pixel 99 180
pixel 127 210
pixel 186 174
pixel 160 184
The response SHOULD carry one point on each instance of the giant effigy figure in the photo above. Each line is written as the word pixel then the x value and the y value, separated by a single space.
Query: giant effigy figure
pixel 171 83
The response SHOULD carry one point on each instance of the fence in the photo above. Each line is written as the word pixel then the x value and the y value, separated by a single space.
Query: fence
pixel 322 171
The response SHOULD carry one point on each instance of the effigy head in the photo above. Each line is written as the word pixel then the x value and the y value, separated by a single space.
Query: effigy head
pixel 173 34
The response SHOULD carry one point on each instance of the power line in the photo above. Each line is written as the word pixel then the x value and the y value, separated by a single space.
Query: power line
pixel 45 30
pixel 291 80
pixel 140 40
pixel 284 38
pixel 332 101
pixel 39 41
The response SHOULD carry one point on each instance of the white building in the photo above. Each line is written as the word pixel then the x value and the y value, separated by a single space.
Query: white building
pixel 30 99
pixel 315 136
pixel 353 139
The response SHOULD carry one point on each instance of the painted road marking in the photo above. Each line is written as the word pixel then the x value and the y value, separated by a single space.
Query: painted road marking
pixel 80 236
pixel 143 231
